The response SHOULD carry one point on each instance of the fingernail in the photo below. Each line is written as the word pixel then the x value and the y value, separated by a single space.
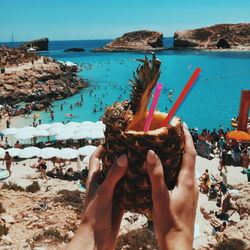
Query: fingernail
pixel 151 157
pixel 122 161
pixel 185 125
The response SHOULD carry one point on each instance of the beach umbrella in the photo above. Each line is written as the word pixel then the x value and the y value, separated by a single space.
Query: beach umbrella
pixel 44 126
pixel 56 130
pixel 81 134
pixel 41 132
pixel 30 129
pixel 2 153
pixel 86 150
pixel 73 125
pixel 29 152
pixel 68 153
pixel 86 159
pixel 14 151
pixel 10 131
pixel 65 135
pixel 56 124
pixel 238 135
pixel 96 134
pixel 24 135
pixel 49 152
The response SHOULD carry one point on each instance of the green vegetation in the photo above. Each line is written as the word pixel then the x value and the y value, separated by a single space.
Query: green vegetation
pixel 231 244
pixel 3 230
pixel 33 188
pixel 50 233
pixel 12 186
pixel 73 198
pixel 138 239
pixel 2 210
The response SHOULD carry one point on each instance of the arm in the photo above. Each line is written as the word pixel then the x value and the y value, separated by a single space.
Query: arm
pixel 174 212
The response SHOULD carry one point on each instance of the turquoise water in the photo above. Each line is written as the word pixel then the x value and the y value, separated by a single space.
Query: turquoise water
pixel 212 102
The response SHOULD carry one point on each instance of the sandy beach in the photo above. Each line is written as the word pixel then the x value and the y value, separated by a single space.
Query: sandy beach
pixel 23 175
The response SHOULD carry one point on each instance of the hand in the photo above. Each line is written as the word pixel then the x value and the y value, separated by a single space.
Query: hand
pixel 101 220
pixel 174 211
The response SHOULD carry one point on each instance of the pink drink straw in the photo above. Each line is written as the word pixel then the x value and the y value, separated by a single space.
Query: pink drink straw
pixel 181 96
pixel 153 106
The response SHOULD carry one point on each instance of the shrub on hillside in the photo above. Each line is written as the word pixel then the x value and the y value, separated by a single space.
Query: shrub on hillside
pixel 2 210
pixel 12 186
pixel 33 188
pixel 73 198
pixel 3 230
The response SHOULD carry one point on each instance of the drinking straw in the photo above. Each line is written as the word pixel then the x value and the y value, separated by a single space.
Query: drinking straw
pixel 152 107
pixel 182 96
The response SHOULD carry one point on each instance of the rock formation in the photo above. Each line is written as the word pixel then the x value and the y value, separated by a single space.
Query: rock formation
pixel 74 50
pixel 143 40
pixel 39 44
pixel 220 36
pixel 39 80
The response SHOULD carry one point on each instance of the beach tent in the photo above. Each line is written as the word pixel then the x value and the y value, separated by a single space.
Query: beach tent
pixel 238 135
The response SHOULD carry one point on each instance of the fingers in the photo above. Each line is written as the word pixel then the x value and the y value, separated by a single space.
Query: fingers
pixel 160 194
pixel 94 168
pixel 187 173
pixel 114 175
pixel 94 165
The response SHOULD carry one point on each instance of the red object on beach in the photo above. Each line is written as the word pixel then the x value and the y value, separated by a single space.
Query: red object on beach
pixel 182 96
pixel 68 115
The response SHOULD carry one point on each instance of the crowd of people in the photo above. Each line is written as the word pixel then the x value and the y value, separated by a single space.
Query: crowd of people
pixel 15 56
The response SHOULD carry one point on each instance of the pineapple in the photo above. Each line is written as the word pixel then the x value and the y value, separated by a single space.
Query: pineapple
pixel 124 135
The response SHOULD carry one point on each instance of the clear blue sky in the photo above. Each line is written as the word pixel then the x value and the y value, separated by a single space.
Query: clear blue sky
pixel 100 19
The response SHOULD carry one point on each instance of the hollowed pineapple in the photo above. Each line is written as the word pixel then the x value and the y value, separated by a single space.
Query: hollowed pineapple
pixel 124 135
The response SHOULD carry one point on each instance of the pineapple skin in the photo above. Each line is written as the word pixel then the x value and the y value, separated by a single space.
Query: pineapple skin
pixel 133 191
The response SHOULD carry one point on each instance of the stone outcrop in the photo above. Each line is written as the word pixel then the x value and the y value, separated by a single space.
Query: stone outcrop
pixel 39 44
pixel 74 50
pixel 43 81
pixel 143 40
pixel 220 36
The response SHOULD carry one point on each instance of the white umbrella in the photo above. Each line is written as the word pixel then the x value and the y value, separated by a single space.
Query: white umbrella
pixel 81 134
pixel 86 150
pixel 24 135
pixel 96 134
pixel 65 135
pixel 27 129
pixel 56 125
pixel 2 153
pixel 10 131
pixel 56 130
pixel 14 151
pixel 44 126
pixel 29 152
pixel 68 153
pixel 41 132
pixel 49 152
pixel 73 124
pixel 86 159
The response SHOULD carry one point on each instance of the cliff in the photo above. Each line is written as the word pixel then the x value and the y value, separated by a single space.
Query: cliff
pixel 143 40
pixel 39 44
pixel 220 36
pixel 40 79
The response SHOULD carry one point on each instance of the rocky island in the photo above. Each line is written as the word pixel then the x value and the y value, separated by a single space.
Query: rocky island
pixel 30 77
pixel 142 40
pixel 38 44
pixel 219 36
pixel 74 50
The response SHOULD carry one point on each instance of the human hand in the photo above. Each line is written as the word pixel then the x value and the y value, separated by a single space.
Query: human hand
pixel 102 218
pixel 174 211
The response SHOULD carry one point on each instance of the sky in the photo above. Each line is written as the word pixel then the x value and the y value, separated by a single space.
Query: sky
pixel 99 19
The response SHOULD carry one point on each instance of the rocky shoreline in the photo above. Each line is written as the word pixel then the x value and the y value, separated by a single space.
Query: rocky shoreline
pixel 42 81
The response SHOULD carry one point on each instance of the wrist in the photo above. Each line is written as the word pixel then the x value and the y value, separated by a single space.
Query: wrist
pixel 176 239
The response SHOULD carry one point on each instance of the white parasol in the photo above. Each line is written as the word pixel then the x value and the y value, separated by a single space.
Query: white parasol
pixel 29 152
pixel 86 150
pixel 10 131
pixel 68 153
pixel 49 152
pixel 2 153
pixel 14 151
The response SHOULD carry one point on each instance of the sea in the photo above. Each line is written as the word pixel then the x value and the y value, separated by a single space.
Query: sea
pixel 212 102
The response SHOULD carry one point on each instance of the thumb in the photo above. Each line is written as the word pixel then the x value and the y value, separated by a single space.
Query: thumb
pixel 114 175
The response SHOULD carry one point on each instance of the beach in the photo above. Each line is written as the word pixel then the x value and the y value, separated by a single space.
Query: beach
pixel 24 228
